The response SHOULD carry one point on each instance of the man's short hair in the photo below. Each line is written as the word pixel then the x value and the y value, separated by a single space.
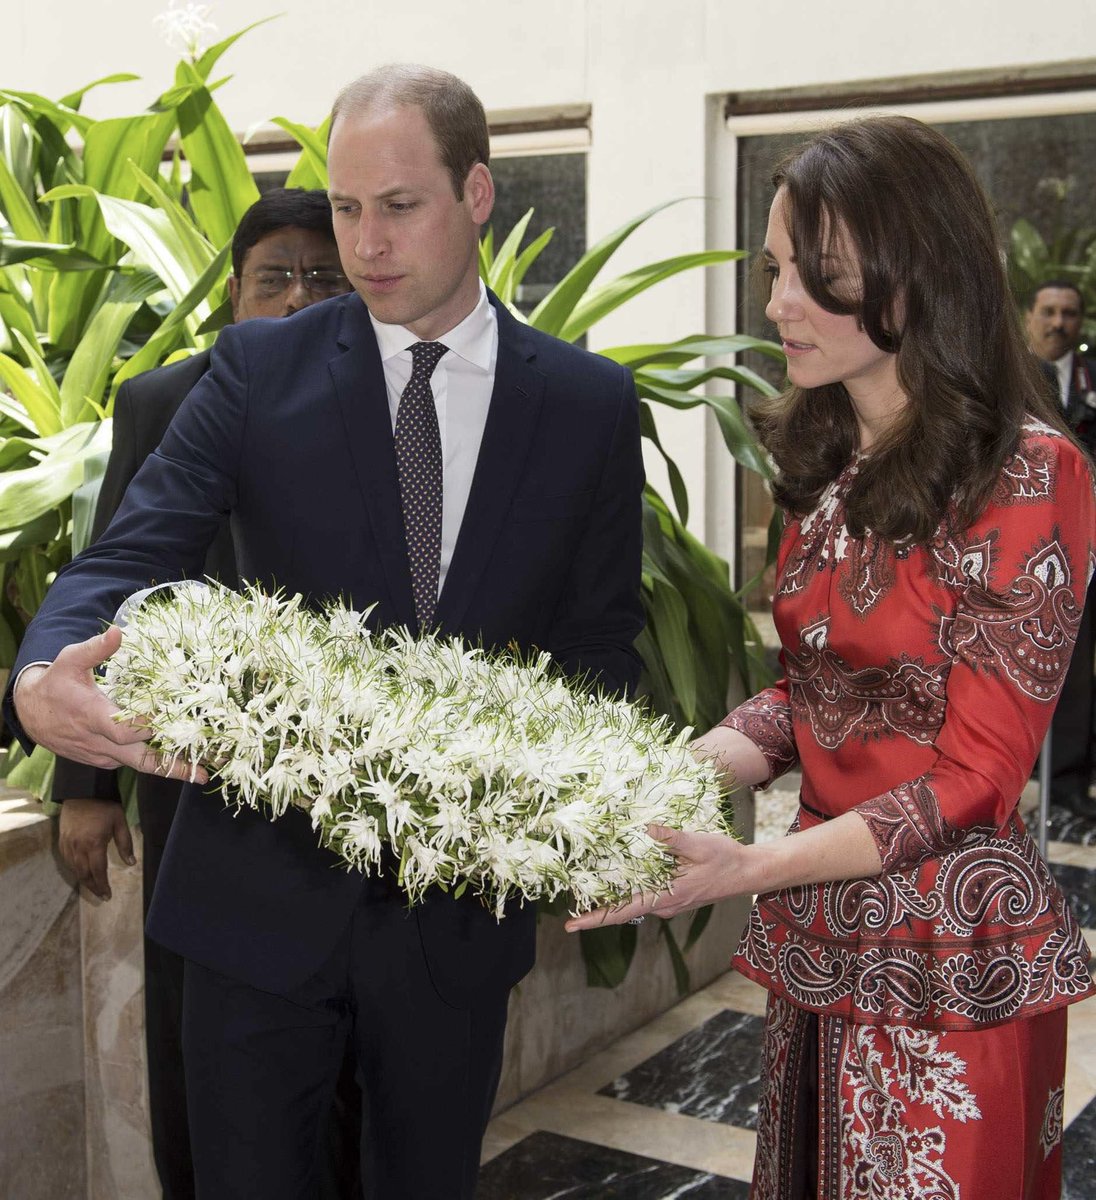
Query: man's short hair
pixel 452 110
pixel 280 208
pixel 1056 283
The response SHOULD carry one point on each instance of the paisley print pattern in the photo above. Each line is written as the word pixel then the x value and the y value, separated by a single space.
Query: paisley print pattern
pixel 1051 1135
pixel 768 724
pixel 1027 634
pixel 919 683
pixel 901 696
pixel 887 1156
pixel 1029 475
pixel 907 824
pixel 908 1114
pixel 972 938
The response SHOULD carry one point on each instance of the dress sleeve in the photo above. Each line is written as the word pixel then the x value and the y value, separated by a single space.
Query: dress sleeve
pixel 1020 574
pixel 766 719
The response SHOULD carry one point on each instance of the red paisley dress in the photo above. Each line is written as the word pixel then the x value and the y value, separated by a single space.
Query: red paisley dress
pixel 919 684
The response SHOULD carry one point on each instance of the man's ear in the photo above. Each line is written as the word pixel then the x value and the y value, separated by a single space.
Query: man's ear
pixel 234 296
pixel 479 192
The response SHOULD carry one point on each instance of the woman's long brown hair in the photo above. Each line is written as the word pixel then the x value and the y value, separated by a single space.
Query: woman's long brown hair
pixel 934 293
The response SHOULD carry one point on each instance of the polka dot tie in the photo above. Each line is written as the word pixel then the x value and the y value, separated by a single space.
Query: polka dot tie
pixel 419 462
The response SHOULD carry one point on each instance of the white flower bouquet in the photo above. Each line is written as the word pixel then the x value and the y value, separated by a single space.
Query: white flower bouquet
pixel 478 770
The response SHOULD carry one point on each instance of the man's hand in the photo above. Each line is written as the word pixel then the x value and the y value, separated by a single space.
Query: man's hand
pixel 87 828
pixel 61 707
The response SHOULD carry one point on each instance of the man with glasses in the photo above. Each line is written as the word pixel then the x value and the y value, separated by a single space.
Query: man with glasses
pixel 284 258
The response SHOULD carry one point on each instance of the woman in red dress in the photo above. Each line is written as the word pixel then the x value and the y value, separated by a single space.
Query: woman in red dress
pixel 940 531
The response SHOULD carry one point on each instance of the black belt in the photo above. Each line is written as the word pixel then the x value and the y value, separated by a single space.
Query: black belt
pixel 813 811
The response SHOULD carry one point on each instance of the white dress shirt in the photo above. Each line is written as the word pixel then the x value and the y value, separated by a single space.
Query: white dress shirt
pixel 462 383
pixel 1064 367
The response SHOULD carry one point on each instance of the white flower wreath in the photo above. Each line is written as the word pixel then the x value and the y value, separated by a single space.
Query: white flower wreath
pixel 478 770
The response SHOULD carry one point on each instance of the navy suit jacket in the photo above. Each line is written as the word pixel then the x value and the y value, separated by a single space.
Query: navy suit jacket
pixel 143 410
pixel 290 434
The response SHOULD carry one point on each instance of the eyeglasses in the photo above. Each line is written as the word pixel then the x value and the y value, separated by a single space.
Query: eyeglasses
pixel 270 283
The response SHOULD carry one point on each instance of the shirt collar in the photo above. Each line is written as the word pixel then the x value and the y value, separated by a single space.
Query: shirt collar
pixel 472 339
pixel 1065 362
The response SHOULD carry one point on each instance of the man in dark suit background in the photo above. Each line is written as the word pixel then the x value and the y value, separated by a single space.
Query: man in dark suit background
pixel 1053 319
pixel 284 258
pixel 506 511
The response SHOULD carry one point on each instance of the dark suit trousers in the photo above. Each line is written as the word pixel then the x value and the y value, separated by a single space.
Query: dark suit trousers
pixel 261 1067
pixel 339 1173
pixel 163 1009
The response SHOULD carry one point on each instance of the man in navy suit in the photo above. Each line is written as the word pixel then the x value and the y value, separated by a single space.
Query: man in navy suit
pixel 535 540
pixel 284 258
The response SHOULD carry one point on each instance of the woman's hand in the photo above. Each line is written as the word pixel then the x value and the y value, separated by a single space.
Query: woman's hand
pixel 710 868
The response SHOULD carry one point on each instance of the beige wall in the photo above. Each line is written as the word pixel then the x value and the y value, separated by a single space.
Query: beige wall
pixel 650 70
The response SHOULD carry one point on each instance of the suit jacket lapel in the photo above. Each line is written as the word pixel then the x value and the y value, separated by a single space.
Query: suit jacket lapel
pixel 511 424
pixel 358 376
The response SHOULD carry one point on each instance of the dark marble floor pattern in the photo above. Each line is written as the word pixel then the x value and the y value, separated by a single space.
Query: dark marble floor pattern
pixel 713 1072
pixel 546 1166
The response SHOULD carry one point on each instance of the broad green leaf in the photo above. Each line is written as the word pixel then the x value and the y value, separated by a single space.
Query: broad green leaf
pixel 530 254
pixel 649 430
pixel 221 316
pixel 552 313
pixel 108 148
pixel 221 186
pixel 18 211
pixel 59 114
pixel 18 148
pixel 607 953
pixel 1028 249
pixel 84 500
pixel 487 251
pixel 173 326
pixel 58 162
pixel 37 532
pixel 42 405
pixel 33 775
pixel 676 354
pixel 692 377
pixel 197 249
pixel 697 926
pixel 599 302
pixel 677 961
pixel 74 99
pixel 503 262
pixel 737 435
pixel 311 168
pixel 204 65
pixel 47 256
pixel 149 234
pixel 16 312
pixel 89 368
pixel 672 623
pixel 28 493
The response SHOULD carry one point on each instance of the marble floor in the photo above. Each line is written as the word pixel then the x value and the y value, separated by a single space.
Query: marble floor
pixel 670 1110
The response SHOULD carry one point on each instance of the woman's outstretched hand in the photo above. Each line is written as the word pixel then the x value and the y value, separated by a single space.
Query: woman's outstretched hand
pixel 708 869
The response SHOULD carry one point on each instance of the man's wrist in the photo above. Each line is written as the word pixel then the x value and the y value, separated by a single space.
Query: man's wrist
pixel 38 666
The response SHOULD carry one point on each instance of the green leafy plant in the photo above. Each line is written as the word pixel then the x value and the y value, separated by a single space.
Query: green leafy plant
pixel 109 264
pixel 698 633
